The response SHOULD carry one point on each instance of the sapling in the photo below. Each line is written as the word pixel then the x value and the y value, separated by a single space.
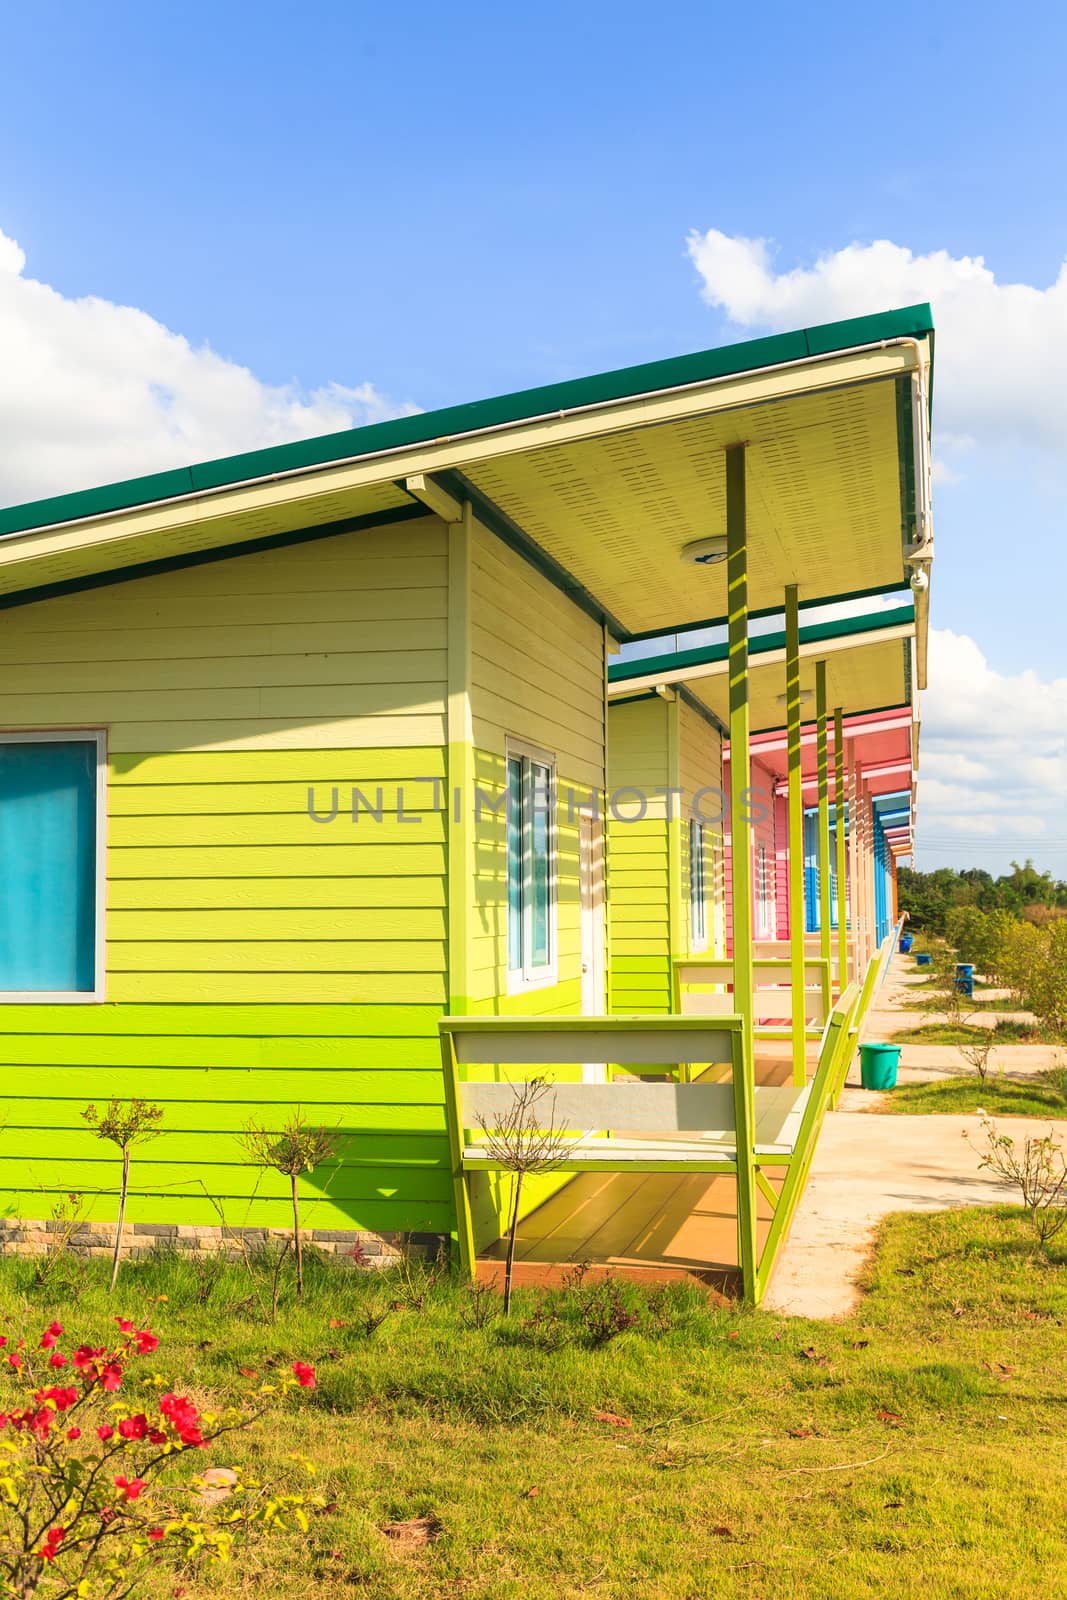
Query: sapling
pixel 125 1124
pixel 1039 1170
pixel 523 1140
pixel 977 1055
pixel 292 1151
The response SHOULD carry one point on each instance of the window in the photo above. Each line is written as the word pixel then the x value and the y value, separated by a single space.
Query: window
pixel 51 866
pixel 698 888
pixel 765 905
pixel 531 868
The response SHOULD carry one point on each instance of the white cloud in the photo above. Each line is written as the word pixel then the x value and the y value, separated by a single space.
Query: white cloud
pixel 91 392
pixel 993 765
pixel 1000 378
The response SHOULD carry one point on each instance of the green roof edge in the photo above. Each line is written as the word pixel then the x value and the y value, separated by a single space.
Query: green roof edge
pixel 525 404
pixel 761 644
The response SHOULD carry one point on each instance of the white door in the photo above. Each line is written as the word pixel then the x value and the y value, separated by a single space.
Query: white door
pixel 591 874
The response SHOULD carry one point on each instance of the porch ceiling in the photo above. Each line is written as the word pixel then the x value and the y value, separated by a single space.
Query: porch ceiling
pixel 824 504
pixel 602 480
pixel 881 744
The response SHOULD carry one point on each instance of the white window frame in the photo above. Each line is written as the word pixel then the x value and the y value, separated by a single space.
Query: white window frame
pixel 698 928
pixel 524 978
pixel 96 995
pixel 764 899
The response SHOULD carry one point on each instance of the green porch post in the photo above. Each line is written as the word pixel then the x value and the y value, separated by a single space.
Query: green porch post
pixel 795 801
pixel 825 940
pixel 741 860
pixel 843 973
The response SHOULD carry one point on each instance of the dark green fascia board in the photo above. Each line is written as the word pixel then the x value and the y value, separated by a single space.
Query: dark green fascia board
pixel 523 406
pixel 201 558
pixel 898 586
pixel 510 533
pixel 762 644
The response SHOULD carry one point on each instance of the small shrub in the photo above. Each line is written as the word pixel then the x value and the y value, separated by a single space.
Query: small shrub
pixel 68 1215
pixel 977 1056
pixel 370 1317
pixel 294 1150
pixel 1020 958
pixel 544 1329
pixel 479 1305
pixel 1039 1170
pixel 523 1140
pixel 124 1124
pixel 602 1311
pixel 414 1279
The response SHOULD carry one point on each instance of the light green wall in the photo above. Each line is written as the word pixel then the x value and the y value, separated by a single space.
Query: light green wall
pixel 656 744
pixel 256 960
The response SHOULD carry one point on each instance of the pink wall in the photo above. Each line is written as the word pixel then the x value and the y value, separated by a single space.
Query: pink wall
pixel 766 831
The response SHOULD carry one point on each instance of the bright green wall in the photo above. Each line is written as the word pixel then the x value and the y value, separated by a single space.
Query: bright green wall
pixel 639 858
pixel 256 960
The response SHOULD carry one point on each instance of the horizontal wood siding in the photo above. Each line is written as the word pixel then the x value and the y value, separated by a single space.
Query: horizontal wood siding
pixel 257 959
pixel 537 676
pixel 701 783
pixel 638 858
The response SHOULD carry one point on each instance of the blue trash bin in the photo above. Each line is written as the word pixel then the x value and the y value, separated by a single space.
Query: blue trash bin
pixel 906 942
pixel 965 979
pixel 924 959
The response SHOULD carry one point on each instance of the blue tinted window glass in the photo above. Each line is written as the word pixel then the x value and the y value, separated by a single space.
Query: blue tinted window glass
pixel 47 866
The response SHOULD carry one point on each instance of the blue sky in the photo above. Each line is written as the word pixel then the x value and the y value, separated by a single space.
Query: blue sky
pixel 443 203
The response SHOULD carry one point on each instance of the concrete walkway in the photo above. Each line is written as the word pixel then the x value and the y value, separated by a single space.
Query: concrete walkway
pixel 866 1166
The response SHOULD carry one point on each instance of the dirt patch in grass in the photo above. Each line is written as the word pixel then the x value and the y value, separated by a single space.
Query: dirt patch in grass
pixel 414 1534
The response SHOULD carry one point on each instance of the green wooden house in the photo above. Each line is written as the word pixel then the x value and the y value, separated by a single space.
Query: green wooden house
pixel 302 749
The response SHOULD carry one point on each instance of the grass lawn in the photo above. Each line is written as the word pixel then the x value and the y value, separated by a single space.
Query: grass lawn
pixel 1007 1031
pixel 1042 1095
pixel 917 1448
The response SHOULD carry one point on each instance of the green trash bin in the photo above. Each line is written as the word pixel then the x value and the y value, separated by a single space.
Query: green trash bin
pixel 878 1065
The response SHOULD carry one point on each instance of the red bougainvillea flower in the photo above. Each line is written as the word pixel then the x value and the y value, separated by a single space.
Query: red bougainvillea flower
pixel 305 1374
pixel 51 1335
pixel 61 1399
pixel 74 1433
pixel 157 1533
pixel 3 1340
pixel 52 1541
pixel 85 1359
pixel 111 1377
pixel 183 1418
pixel 146 1342
pixel 134 1427
pixel 15 1360
pixel 125 1325
pixel 56 1360
pixel 105 1433
pixel 131 1487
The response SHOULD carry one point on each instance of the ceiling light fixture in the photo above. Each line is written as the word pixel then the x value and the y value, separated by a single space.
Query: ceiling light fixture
pixel 705 552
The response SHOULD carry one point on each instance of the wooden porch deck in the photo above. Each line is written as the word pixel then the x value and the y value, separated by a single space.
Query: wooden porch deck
pixel 650 1227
